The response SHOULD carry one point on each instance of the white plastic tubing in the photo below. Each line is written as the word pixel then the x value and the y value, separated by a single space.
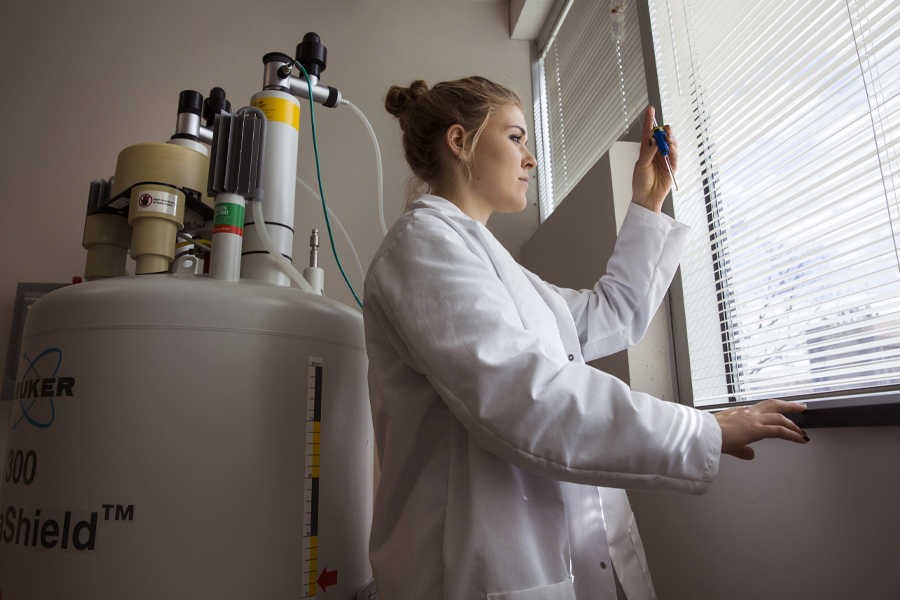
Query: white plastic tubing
pixel 377 160
pixel 282 262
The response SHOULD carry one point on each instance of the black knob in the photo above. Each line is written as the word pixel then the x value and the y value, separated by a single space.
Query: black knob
pixel 311 54
pixel 276 57
pixel 190 101
pixel 215 104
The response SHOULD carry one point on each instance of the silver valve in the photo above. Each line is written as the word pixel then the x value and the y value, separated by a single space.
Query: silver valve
pixel 313 274
pixel 312 55
pixel 314 248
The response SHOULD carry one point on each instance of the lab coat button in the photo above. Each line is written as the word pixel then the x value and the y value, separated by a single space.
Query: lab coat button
pixel 571 357
pixel 602 565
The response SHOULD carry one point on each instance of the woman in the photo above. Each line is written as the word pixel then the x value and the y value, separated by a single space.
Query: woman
pixel 492 434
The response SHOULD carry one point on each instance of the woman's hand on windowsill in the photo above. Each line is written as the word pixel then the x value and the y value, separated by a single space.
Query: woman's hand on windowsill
pixel 742 426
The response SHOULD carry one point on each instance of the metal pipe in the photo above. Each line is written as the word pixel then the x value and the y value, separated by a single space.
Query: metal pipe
pixel 556 27
pixel 188 123
pixel 206 135
pixel 321 94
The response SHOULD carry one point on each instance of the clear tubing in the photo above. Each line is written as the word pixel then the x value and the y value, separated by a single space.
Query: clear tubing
pixel 362 276
pixel 281 261
pixel 377 160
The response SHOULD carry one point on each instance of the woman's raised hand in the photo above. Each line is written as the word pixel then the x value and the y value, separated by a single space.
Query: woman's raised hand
pixel 744 425
pixel 651 181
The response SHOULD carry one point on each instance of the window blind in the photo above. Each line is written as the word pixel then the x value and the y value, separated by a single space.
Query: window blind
pixel 589 90
pixel 789 176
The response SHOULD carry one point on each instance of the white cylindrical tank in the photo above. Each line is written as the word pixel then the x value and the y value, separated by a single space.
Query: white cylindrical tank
pixel 282 112
pixel 179 437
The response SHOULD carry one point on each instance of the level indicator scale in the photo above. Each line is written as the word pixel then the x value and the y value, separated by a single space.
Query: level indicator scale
pixel 311 479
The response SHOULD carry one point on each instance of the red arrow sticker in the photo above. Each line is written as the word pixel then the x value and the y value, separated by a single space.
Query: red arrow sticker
pixel 327 578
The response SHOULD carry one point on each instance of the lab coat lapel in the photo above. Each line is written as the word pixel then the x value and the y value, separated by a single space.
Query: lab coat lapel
pixel 565 325
pixel 537 316
pixel 534 311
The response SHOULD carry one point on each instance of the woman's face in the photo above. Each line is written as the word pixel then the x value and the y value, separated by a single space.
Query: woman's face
pixel 502 162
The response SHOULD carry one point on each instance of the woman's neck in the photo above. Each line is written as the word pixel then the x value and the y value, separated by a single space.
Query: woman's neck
pixel 463 198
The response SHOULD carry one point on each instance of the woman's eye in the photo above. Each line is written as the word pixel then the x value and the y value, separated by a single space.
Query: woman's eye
pixel 516 138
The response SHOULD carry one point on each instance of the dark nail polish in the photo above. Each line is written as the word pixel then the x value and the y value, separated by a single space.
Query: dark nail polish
pixel 805 438
pixel 803 432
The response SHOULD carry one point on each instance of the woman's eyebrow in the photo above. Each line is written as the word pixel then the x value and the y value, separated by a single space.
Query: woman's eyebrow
pixel 522 129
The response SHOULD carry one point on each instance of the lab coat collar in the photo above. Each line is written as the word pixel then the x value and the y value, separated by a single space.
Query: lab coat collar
pixel 439 204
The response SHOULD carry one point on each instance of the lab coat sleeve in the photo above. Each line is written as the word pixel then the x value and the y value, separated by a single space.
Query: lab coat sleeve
pixel 615 314
pixel 459 327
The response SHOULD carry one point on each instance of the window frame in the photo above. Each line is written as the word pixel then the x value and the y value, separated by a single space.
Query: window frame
pixel 546 43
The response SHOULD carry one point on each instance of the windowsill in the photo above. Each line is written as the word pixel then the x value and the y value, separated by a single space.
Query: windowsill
pixel 860 410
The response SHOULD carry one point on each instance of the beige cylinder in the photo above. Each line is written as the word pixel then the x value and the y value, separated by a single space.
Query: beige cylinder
pixel 165 163
pixel 107 238
pixel 156 214
pixel 157 174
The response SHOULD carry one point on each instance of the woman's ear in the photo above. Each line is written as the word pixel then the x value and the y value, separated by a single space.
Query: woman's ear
pixel 454 140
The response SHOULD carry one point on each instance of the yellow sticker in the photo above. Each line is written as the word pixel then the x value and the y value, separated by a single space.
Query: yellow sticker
pixel 279 109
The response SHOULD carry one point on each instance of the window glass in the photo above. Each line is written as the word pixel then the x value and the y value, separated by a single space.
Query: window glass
pixel 589 89
pixel 789 176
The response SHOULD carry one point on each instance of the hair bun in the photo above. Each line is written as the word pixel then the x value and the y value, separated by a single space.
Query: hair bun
pixel 400 100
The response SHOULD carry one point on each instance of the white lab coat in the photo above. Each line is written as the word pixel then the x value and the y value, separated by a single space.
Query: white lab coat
pixel 492 434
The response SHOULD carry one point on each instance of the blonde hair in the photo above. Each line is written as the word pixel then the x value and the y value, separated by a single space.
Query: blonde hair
pixel 425 115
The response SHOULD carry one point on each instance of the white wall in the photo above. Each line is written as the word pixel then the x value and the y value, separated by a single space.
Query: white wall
pixel 83 80
pixel 651 365
pixel 818 522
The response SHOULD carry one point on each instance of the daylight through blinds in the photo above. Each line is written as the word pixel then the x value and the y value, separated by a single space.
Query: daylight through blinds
pixel 789 176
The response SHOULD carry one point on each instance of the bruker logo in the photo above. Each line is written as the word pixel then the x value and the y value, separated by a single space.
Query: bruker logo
pixel 145 200
pixel 35 395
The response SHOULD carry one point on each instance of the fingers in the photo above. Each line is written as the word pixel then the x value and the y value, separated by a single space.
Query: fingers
pixel 779 406
pixel 648 123
pixel 742 426
pixel 648 148
pixel 771 415
pixel 785 431
pixel 673 147
pixel 775 431
pixel 744 453
pixel 780 420
pixel 670 137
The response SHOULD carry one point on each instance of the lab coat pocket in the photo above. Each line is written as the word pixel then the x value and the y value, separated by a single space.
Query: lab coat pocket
pixel 563 590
